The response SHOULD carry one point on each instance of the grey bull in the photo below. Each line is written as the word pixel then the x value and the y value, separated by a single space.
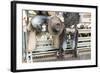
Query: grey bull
pixel 57 29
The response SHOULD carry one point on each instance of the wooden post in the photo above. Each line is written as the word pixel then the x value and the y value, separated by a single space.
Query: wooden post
pixel 31 44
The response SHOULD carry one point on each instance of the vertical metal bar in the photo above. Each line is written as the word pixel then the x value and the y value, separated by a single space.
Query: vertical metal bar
pixel 26 37
pixel 29 53
pixel 75 40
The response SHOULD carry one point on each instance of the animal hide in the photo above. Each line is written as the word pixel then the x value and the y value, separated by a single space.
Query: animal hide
pixel 71 18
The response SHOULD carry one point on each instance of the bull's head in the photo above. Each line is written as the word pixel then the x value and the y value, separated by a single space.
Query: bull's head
pixel 55 26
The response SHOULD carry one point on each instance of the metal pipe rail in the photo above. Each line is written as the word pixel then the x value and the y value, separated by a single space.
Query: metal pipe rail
pixel 84 45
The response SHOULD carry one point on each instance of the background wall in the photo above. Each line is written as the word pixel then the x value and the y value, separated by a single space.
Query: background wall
pixel 5 36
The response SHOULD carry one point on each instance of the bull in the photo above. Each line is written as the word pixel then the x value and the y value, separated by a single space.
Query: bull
pixel 57 29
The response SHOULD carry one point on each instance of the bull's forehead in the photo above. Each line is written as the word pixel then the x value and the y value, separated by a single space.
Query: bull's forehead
pixel 55 20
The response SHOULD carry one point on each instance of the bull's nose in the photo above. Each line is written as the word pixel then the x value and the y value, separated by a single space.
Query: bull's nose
pixel 58 24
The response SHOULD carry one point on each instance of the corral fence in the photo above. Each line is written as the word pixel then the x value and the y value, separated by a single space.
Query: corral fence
pixel 46 50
